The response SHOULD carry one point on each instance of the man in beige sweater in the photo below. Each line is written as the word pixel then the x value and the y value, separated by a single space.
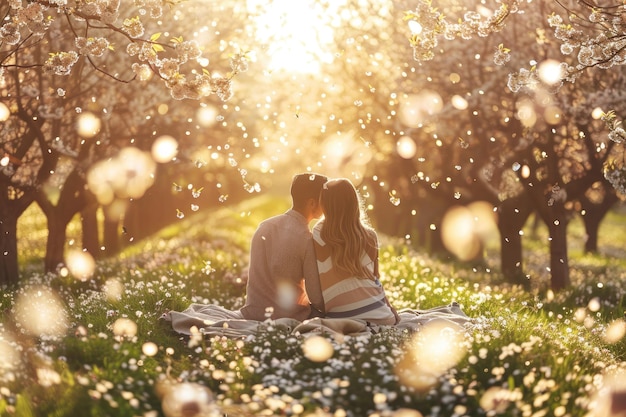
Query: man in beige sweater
pixel 283 280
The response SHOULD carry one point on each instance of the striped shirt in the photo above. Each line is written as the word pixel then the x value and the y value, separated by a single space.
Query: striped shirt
pixel 348 296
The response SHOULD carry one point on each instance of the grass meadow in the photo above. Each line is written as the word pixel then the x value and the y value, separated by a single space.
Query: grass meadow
pixel 97 346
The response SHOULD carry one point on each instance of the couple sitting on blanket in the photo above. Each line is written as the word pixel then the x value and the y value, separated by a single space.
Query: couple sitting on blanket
pixel 331 272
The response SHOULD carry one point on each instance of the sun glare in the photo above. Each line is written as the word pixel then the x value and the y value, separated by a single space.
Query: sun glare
pixel 297 33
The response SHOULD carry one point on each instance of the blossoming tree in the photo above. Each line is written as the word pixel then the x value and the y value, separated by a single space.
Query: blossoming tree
pixel 57 61
pixel 566 149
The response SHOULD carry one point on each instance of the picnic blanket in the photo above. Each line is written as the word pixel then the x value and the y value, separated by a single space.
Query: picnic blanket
pixel 211 320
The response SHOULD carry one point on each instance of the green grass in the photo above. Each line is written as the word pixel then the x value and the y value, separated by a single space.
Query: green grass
pixel 526 354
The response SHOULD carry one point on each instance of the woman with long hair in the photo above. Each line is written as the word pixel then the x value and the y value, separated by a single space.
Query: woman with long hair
pixel 346 248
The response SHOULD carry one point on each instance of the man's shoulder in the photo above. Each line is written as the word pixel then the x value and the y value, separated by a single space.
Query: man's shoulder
pixel 276 223
pixel 274 220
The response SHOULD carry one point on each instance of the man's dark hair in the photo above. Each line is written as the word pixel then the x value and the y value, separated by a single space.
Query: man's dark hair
pixel 305 186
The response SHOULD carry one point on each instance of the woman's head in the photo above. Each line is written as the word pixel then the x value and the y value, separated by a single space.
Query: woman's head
pixel 343 229
pixel 340 201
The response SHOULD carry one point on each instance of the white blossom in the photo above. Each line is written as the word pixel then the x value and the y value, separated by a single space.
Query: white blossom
pixel 92 46
pixel 61 63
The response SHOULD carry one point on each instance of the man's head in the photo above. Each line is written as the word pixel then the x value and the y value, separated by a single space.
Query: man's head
pixel 305 194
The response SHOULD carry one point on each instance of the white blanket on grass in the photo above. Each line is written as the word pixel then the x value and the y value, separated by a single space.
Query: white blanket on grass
pixel 211 319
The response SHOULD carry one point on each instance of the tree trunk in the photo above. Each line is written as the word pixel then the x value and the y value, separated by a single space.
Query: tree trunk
pixel 592 224
pixel 111 235
pixel 55 244
pixel 512 215
pixel 594 213
pixel 10 211
pixel 71 201
pixel 89 222
pixel 9 268
pixel 559 264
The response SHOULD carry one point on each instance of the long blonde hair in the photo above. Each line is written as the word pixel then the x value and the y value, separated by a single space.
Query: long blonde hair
pixel 345 229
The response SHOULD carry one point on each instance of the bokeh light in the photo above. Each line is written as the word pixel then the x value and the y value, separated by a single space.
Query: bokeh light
pixel 597 113
pixel 164 149
pixel 80 264
pixel 552 115
pixel 415 27
pixel 336 148
pixel 526 113
pixel 615 331
pixel 127 175
pixel 610 399
pixel 187 400
pixel 299 43
pixel 465 229
pixel 113 289
pixel 317 348
pixel 9 356
pixel 286 294
pixel 206 116
pixel 406 147
pixel 433 350
pixel 495 400
pixel 407 412
pixel 345 156
pixel 88 125
pixel 124 327
pixel 5 113
pixel 550 71
pixel 415 109
pixel 149 348
pixel 47 377
pixel 459 102
pixel 594 305
pixel 40 312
